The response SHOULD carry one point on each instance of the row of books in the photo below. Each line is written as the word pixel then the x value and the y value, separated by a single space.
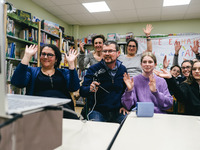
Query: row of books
pixel 25 34
pixel 29 35
pixel 14 51
pixel 46 39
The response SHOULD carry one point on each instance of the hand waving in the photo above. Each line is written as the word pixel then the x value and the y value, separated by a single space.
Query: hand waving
pixel 165 62
pixel 29 52
pixel 128 81
pixel 148 29
pixel 177 47
pixel 163 74
pixel 71 58
pixel 195 47
pixel 152 83
pixel 81 45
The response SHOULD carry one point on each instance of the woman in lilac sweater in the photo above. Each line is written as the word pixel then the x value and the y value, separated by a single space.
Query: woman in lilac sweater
pixel 147 87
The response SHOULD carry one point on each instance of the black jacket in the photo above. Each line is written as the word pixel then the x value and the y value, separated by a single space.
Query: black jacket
pixel 187 93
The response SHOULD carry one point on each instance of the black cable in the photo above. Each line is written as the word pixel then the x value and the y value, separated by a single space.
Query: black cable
pixel 15 117
pixel 116 134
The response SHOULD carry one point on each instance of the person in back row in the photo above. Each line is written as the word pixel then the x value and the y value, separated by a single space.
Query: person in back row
pixel 103 86
pixel 132 60
pixel 147 87
pixel 94 56
pixel 48 80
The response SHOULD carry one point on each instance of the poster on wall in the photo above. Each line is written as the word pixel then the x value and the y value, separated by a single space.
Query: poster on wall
pixel 165 46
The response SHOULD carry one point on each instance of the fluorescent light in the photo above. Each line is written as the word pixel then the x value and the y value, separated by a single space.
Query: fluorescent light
pixel 96 6
pixel 175 2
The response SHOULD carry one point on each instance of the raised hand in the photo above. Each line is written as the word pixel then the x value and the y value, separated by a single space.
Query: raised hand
pixel 165 62
pixel 148 29
pixel 163 74
pixel 81 45
pixel 29 52
pixel 128 81
pixel 152 83
pixel 71 58
pixel 177 47
pixel 195 47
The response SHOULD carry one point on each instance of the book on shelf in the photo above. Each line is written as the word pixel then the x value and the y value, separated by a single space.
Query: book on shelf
pixel 10 27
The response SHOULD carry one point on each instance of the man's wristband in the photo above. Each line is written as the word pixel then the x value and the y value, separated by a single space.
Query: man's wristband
pixel 198 54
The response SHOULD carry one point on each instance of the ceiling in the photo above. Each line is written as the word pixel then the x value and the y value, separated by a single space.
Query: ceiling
pixel 122 11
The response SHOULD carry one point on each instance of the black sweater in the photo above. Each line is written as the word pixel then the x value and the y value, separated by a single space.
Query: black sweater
pixel 187 93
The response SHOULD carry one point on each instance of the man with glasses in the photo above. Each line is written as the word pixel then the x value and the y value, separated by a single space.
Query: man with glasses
pixel 132 60
pixel 103 86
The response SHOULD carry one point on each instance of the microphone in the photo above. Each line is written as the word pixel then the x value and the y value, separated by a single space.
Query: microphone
pixel 96 76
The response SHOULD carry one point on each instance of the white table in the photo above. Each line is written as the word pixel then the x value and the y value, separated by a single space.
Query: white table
pixel 87 136
pixel 161 132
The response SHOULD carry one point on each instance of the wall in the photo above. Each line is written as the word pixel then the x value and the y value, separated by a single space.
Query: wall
pixel 34 9
pixel 162 27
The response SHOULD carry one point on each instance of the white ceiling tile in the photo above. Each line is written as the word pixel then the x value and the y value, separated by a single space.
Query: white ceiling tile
pixel 192 16
pixel 120 5
pixel 150 18
pixel 148 3
pixel 148 12
pixel 125 14
pixel 172 17
pixel 74 9
pixel 56 10
pixel 69 19
pixel 193 9
pixel 82 17
pixel 44 3
pixel 128 20
pixel 65 2
pixel 174 10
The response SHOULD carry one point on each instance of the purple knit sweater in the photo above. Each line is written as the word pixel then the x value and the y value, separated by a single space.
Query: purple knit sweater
pixel 141 93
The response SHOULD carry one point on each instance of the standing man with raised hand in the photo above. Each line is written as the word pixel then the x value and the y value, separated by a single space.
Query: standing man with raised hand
pixel 103 86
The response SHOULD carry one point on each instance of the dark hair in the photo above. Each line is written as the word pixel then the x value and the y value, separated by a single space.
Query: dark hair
pixel 98 36
pixel 190 61
pixel 178 67
pixel 191 79
pixel 107 43
pixel 133 40
pixel 56 51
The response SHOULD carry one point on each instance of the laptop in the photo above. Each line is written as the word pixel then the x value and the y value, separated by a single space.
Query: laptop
pixel 13 103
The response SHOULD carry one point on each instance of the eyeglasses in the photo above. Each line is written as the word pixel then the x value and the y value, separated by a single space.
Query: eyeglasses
pixel 131 46
pixel 49 55
pixel 109 51
pixel 187 67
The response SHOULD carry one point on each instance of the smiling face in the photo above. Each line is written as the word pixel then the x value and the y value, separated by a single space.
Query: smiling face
pixel 110 54
pixel 48 61
pixel 131 48
pixel 148 64
pixel 196 71
pixel 175 71
pixel 98 44
pixel 186 68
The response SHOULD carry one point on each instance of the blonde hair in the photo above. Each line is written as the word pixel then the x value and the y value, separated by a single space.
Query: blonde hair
pixel 150 54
